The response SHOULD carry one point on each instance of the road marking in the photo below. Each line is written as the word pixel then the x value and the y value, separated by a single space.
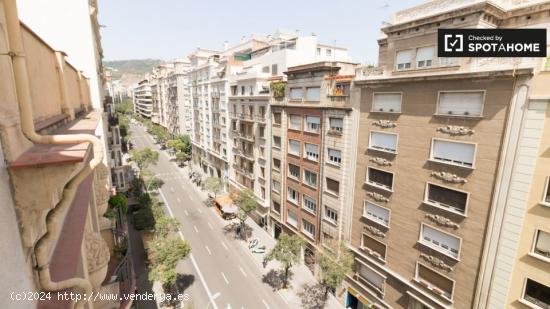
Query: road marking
pixel 242 271
pixel 195 227
pixel 172 189
pixel 200 211
pixel 207 249
pixel 190 197
pixel 224 246
pixel 225 278
pixel 210 226
pixel 179 201
pixel 193 261
pixel 265 304
pixel 186 213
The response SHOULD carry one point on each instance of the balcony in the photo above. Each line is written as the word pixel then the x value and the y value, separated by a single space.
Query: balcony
pixel 247 137
pixel 260 118
pixel 246 117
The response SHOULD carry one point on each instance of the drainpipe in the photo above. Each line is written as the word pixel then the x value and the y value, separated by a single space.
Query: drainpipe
pixel 54 219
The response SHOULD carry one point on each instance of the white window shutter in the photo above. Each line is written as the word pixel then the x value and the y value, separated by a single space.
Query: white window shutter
pixel 404 56
pixel 425 53
pixel 543 241
pixel 461 103
pixel 456 152
pixel 383 140
pixel 387 102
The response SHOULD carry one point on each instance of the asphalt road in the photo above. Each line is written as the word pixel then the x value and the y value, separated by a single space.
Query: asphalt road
pixel 219 273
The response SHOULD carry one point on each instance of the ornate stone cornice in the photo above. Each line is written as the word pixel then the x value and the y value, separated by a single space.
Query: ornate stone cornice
pixel 381 161
pixel 97 251
pixel 448 177
pixel 384 123
pixel 440 220
pixel 456 130
pixel 437 262
pixel 377 196
pixel 374 231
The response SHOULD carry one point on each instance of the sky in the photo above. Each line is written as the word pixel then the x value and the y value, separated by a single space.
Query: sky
pixel 170 29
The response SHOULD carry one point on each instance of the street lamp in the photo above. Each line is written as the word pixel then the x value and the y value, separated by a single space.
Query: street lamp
pixel 213 299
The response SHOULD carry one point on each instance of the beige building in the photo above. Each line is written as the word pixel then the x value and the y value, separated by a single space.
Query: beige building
pixel 54 175
pixel 436 149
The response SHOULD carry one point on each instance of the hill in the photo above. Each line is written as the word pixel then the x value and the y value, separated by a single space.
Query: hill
pixel 131 71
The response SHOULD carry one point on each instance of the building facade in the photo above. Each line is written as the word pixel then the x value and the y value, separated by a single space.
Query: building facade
pixel 142 99
pixel 437 141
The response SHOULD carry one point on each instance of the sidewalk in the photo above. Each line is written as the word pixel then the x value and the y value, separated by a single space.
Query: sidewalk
pixel 301 274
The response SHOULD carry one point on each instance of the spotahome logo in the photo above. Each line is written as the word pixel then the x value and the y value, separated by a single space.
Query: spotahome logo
pixel 491 42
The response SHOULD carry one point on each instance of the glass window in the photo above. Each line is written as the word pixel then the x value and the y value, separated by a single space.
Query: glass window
pixel 318 51
pixel 277 118
pixel 293 171
pixel 383 141
pixel 334 156
pixel 447 198
pixel 453 152
pixel 291 218
pixel 295 122
pixel 372 277
pixel 436 281
pixel 276 141
pixel 542 244
pixel 311 151
pixel 424 57
pixel 403 59
pixel 313 93
pixel 376 213
pixel 294 147
pixel 309 203
pixel 329 52
pixel 537 294
pixel 293 195
pixel 310 178
pixel 333 186
pixel 446 243
pixel 331 214
pixel 276 207
pixel 336 125
pixel 386 102
pixel 313 124
pixel 276 186
pixel 380 178
pixel 296 93
pixel 277 164
pixel 308 228
pixel 469 103
pixel 274 69
pixel 375 247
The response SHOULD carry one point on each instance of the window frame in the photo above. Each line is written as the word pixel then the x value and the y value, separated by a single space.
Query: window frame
pixel 433 247
pixel 306 126
pixel 433 60
pixel 299 148
pixel 412 60
pixel 305 232
pixel 290 122
pixel 524 290
pixel 376 185
pixel 304 196
pixel 273 186
pixel 331 131
pixel 293 202
pixel 280 142
pixel 278 169
pixel 325 187
pixel 290 98
pixel 307 99
pixel 329 219
pixel 304 178
pixel 289 174
pixel 358 272
pixel 448 209
pixel 432 159
pixel 532 251
pixel 363 247
pixel 383 150
pixel 416 278
pixel 545 192
pixel 437 113
pixel 386 225
pixel 374 93
pixel 296 217
pixel 305 152
pixel 332 162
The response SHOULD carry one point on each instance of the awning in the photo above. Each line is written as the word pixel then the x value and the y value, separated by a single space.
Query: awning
pixel 230 209
pixel 223 200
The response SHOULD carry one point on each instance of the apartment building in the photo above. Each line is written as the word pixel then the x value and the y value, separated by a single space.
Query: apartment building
pixel 54 166
pixel 436 147
pixel 159 80
pixel 180 110
pixel 142 99
pixel 313 149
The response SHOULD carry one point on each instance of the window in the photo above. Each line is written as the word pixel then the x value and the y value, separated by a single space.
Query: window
pixel 424 57
pixel 383 141
pixel 372 277
pixel 265 69
pixel 331 214
pixel 450 199
pixel 466 103
pixel 542 244
pixel 262 172
pixel 376 213
pixel 536 294
pixel 336 125
pixel 294 147
pixel 311 151
pixel 329 52
pixel 293 195
pixel 455 153
pixel 440 241
pixel 374 246
pixel 295 122
pixel 310 178
pixel 332 186
pixel 276 207
pixel 308 228
pixel 277 118
pixel 546 197
pixel 318 51
pixel 296 93
pixel 334 156
pixel 292 219
pixel 386 102
pixel 313 93
pixel 403 59
pixel 293 171
pixel 274 69
pixel 309 204
pixel 262 152
pixel 262 193
pixel 434 281
pixel 380 178
pixel 313 124
pixel 242 90
pixel 276 142
pixel 277 164
pixel 416 303
pixel 276 186
pixel 262 132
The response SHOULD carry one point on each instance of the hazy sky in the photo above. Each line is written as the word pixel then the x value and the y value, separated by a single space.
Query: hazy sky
pixel 169 29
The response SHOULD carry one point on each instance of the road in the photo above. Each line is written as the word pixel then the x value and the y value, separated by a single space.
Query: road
pixel 220 273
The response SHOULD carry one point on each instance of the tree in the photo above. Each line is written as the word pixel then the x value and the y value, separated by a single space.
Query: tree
pixel 154 183
pixel 181 157
pixel 165 255
pixel 186 144
pixel 214 185
pixel 117 203
pixel 287 251
pixel 125 107
pixel 144 157
pixel 164 226
pixel 247 204
pixel 334 268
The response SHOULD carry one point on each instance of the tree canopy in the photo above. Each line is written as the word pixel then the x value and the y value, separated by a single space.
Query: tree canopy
pixel 247 203
pixel 335 267
pixel 214 185
pixel 287 251
pixel 144 157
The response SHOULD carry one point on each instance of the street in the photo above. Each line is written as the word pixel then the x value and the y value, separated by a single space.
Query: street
pixel 219 273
